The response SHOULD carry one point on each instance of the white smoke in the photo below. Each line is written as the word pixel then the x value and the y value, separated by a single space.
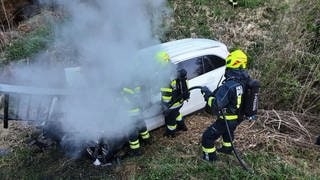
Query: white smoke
pixel 103 38
pixel 106 36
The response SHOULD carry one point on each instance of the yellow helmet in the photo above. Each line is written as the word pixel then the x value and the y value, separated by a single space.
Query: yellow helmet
pixel 163 57
pixel 237 59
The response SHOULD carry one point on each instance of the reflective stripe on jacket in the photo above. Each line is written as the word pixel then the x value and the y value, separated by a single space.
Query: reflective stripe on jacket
pixel 132 98
pixel 229 96
pixel 170 96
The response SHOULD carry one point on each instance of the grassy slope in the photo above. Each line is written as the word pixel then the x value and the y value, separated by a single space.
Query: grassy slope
pixel 280 37
pixel 273 32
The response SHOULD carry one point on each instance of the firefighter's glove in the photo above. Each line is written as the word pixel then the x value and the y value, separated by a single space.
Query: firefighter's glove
pixel 205 91
pixel 252 118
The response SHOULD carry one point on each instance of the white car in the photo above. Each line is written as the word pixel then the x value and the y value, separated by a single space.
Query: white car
pixel 204 61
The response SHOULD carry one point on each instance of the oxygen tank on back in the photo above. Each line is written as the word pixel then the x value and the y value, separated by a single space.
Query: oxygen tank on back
pixel 251 97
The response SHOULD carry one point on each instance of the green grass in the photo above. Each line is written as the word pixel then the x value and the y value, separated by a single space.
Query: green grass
pixel 282 53
pixel 28 45
pixel 265 165
pixel 251 3
pixel 161 162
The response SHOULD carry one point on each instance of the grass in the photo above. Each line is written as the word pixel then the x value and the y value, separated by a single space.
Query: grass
pixel 282 43
pixel 251 3
pixel 29 44
pixel 160 162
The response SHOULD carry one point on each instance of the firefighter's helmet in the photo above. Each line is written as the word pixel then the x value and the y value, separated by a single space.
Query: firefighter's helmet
pixel 237 59
pixel 163 57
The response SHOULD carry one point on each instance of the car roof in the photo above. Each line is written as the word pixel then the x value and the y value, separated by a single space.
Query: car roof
pixel 183 49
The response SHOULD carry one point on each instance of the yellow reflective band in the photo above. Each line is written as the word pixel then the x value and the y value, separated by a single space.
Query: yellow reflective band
pixel 173 83
pixel 134 110
pixel 210 101
pixel 137 89
pixel 145 135
pixel 179 118
pixel 134 144
pixel 208 150
pixel 226 144
pixel 230 117
pixel 172 127
pixel 175 105
pixel 166 89
pixel 166 98
pixel 238 101
pixel 127 90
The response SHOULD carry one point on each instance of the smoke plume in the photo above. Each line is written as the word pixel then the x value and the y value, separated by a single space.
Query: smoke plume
pixel 106 37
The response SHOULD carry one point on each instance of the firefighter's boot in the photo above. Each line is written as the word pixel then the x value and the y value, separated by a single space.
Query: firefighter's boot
pixel 135 152
pixel 147 141
pixel 170 133
pixel 134 147
pixel 182 127
pixel 211 157
pixel 225 150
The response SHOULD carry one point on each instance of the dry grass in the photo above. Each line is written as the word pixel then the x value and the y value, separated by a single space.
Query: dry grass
pixel 288 135
pixel 278 131
pixel 288 129
pixel 15 135
pixel 273 131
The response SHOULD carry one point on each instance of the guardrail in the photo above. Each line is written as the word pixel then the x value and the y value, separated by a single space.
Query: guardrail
pixel 28 103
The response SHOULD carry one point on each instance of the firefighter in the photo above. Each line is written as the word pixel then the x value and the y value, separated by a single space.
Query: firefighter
pixel 225 102
pixel 172 98
pixel 133 98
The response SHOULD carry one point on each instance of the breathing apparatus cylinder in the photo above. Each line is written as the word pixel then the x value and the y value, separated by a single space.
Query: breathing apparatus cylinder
pixel 182 85
pixel 251 99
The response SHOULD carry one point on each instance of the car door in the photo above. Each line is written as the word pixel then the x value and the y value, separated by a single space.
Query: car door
pixel 207 70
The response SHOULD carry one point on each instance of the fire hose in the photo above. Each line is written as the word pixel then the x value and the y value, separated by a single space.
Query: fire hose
pixel 243 164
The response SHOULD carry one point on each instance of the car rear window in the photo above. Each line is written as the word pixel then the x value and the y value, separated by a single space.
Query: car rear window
pixel 194 67
pixel 211 62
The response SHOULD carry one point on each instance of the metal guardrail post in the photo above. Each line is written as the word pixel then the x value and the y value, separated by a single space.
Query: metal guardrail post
pixel 6 111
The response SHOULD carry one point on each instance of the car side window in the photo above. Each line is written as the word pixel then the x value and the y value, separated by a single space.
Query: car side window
pixel 194 67
pixel 211 62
